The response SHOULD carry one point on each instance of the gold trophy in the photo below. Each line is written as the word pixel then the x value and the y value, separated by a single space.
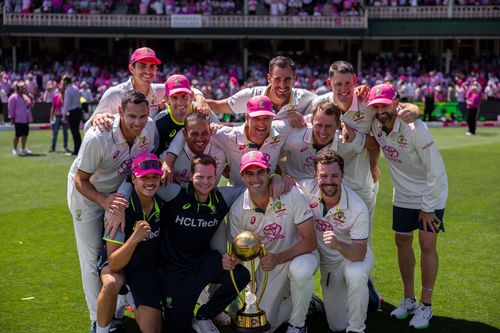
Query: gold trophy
pixel 250 318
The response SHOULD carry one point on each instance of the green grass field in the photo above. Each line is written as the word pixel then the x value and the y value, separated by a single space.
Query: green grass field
pixel 40 287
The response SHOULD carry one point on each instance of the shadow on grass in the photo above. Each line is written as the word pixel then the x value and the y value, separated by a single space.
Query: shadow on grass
pixel 379 322
pixel 33 155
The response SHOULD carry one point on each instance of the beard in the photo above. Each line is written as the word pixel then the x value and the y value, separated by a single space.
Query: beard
pixel 329 192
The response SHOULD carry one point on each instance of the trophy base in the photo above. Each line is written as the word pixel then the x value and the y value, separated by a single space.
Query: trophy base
pixel 251 322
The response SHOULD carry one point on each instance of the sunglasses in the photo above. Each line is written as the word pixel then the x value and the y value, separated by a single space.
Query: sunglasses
pixel 150 164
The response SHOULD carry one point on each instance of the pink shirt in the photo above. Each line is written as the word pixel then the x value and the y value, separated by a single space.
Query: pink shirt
pixel 473 99
pixel 57 105
pixel 19 109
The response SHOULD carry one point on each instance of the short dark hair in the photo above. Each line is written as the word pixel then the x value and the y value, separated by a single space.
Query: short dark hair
pixel 341 67
pixel 281 62
pixel 196 116
pixel 203 159
pixel 329 157
pixel 133 97
pixel 329 109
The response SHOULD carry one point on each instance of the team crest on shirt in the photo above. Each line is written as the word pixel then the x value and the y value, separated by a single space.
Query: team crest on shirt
pixel 322 225
pixel 78 214
pixel 401 140
pixel 279 209
pixel 142 142
pixel 339 217
pixel 275 139
pixel 358 116
pixel 273 231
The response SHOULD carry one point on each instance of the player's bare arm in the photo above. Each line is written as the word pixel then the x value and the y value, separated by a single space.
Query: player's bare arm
pixel 200 104
pixel 408 112
pixel 374 153
pixel 355 251
pixel 219 106
pixel 168 169
pixel 119 255
pixel 295 119
pixel 305 245
pixel 103 121
pixel 112 203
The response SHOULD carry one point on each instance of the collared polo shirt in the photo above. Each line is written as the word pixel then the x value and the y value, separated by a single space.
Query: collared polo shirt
pixel 108 157
pixel 415 165
pixel 277 225
pixel 349 219
pixel 300 101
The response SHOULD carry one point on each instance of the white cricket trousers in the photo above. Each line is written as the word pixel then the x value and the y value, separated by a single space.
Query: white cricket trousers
pixel 88 224
pixel 345 292
pixel 289 290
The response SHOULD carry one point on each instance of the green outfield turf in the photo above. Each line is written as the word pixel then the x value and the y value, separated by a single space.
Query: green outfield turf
pixel 40 287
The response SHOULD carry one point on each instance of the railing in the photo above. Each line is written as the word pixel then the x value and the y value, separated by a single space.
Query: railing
pixel 430 12
pixel 157 21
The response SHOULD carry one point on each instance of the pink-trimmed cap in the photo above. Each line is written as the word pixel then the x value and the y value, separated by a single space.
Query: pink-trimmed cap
pixel 177 83
pixel 146 164
pixel 254 158
pixel 381 94
pixel 144 53
pixel 260 106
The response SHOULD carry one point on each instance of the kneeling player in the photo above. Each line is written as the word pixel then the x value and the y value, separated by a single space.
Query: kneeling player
pixel 132 253
pixel 342 226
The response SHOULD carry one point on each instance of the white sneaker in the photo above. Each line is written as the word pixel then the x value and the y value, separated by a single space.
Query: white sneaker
pixel 408 306
pixel 26 151
pixel 204 326
pixel 222 319
pixel 422 316
pixel 294 329
pixel 15 152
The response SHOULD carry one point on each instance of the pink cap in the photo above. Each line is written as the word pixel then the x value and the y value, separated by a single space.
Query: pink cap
pixel 381 94
pixel 176 84
pixel 146 164
pixel 254 158
pixel 260 106
pixel 144 53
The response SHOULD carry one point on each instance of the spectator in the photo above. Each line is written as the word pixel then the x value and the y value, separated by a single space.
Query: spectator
pixel 19 106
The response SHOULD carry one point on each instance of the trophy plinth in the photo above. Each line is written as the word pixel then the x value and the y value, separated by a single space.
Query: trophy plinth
pixel 250 319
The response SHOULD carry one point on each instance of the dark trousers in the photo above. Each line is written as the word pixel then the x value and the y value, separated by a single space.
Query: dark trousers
pixel 74 119
pixel 471 120
pixel 181 289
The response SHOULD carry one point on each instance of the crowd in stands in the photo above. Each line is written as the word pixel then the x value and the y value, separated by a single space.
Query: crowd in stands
pixel 221 76
pixel 414 3
pixel 60 6
pixel 203 7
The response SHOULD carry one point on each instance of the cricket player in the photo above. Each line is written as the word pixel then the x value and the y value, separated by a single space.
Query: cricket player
pixel 287 102
pixel 420 192
pixel 100 167
pixel 131 255
pixel 346 259
pixel 196 136
pixel 303 144
pixel 143 66
pixel 285 227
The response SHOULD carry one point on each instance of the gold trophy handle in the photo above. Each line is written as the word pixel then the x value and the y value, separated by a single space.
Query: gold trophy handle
pixel 242 300
pixel 266 274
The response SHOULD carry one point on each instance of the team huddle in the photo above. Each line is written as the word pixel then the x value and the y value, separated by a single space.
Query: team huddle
pixel 152 225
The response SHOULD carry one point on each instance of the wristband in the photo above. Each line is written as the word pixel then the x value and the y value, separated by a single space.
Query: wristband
pixel 274 174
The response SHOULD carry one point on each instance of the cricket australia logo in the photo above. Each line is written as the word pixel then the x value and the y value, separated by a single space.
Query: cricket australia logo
pixel 358 116
pixel 262 103
pixel 401 140
pixel 273 231
pixel 78 214
pixel 339 217
pixel 142 142
pixel 322 225
pixel 279 209
pixel 378 91
pixel 176 81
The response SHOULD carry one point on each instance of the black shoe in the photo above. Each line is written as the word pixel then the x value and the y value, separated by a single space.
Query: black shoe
pixel 51 150
pixel 316 305
pixel 116 325
pixel 93 327
pixel 374 299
